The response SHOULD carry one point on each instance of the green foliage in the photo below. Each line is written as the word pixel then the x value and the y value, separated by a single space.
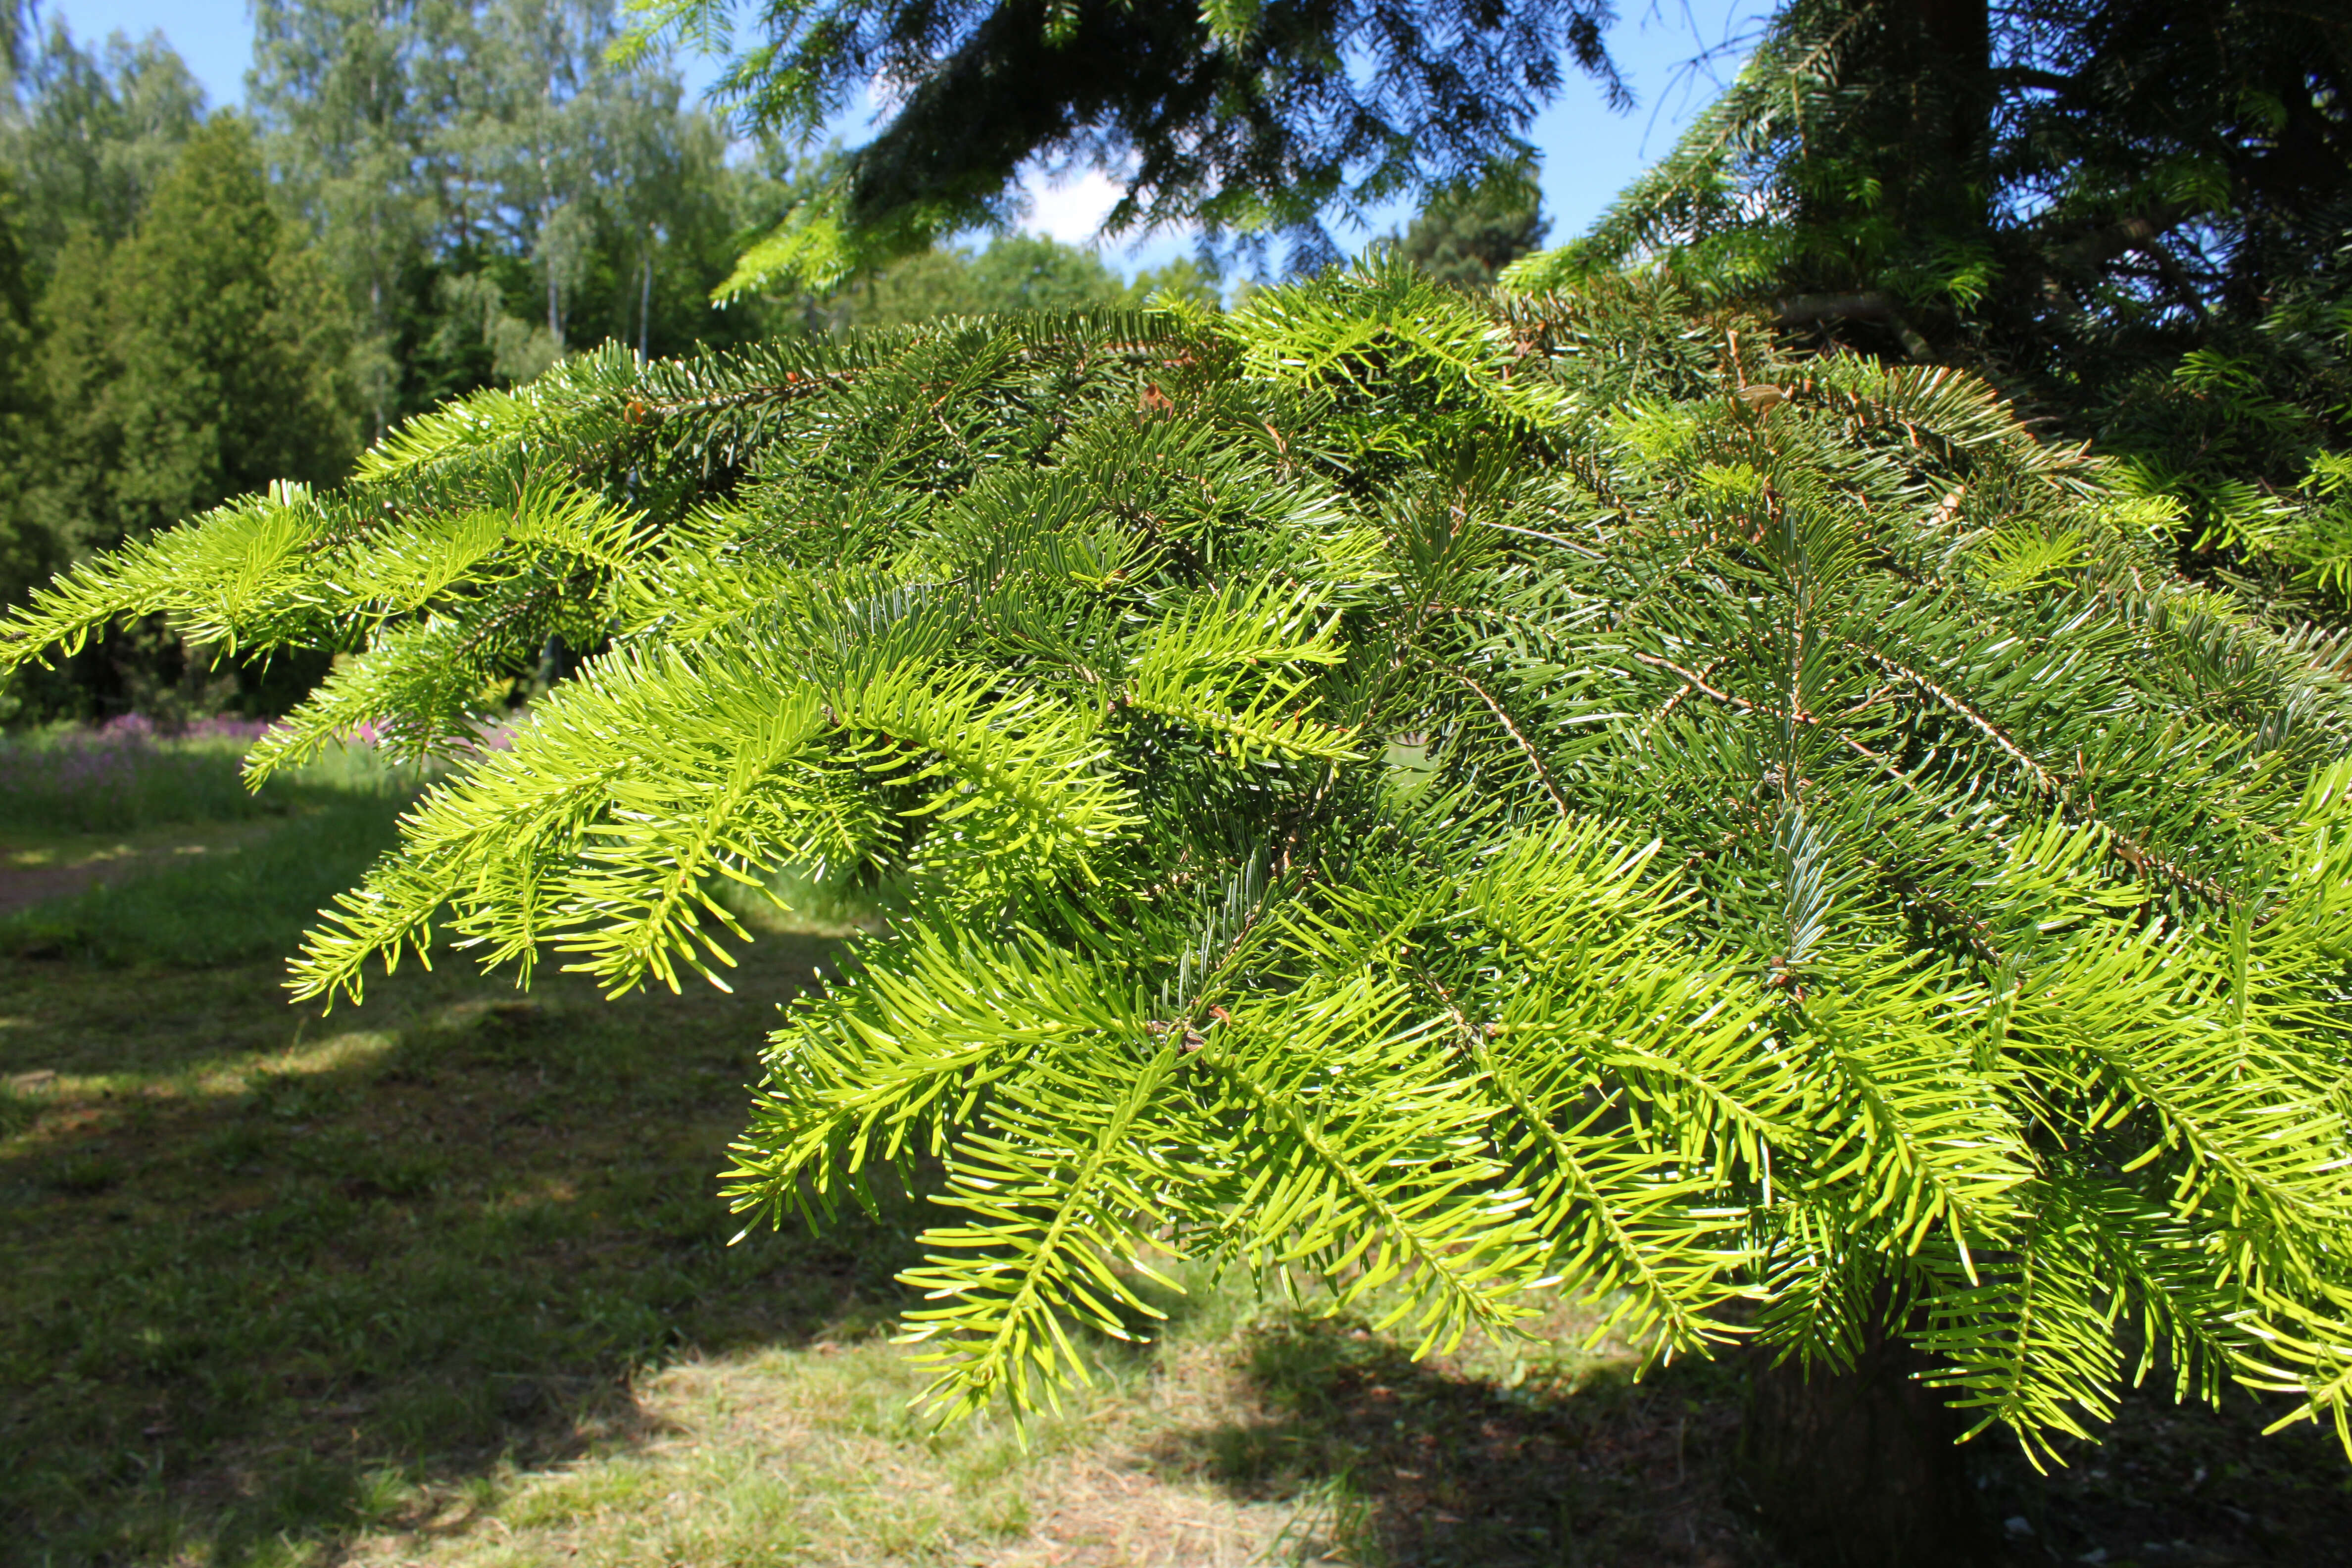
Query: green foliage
pixel 24 550
pixel 200 358
pixel 1254 121
pixel 1467 234
pixel 85 138
pixel 455 196
pixel 2247 434
pixel 225 338
pixel 2131 213
pixel 1015 272
pixel 491 192
pixel 1845 872
pixel 89 134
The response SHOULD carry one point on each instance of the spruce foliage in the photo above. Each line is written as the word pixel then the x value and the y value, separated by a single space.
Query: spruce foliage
pixel 1428 797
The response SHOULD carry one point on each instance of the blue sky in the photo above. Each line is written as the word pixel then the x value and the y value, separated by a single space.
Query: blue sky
pixel 1589 152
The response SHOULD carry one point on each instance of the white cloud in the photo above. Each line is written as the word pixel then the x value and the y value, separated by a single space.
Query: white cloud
pixel 1071 209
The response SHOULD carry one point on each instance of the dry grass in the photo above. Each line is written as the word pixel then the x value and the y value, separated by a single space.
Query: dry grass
pixel 809 1457
pixel 1247 1438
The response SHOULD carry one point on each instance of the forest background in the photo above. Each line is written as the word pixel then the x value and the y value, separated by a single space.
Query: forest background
pixel 411 202
pixel 418 199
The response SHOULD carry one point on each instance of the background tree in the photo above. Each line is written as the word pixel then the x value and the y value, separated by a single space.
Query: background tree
pixel 1014 272
pixel 359 97
pixel 492 192
pixel 486 190
pixel 201 358
pixel 89 134
pixel 1846 875
pixel 228 339
pixel 1466 235
pixel 86 136
pixel 27 554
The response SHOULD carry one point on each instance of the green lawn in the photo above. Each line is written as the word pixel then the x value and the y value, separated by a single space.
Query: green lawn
pixel 442 1280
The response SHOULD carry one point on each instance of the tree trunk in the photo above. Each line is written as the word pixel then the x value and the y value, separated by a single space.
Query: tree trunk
pixel 1946 49
pixel 645 298
pixel 1862 1469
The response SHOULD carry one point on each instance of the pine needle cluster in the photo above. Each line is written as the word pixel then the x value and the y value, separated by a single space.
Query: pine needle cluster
pixel 1433 798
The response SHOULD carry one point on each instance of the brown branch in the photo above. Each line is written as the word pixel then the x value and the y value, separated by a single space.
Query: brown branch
pixel 1672 702
pixel 2030 79
pixel 2050 783
pixel 1692 679
pixel 2104 242
pixel 2126 849
pixel 1805 309
pixel 1535 760
pixel 1875 305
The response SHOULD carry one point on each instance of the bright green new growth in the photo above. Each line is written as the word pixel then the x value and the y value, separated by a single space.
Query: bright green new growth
pixel 1432 799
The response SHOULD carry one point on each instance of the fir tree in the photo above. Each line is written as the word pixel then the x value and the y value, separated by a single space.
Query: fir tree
pixel 200 358
pixel 1466 235
pixel 2132 213
pixel 27 554
pixel 1435 798
pixel 1256 123
pixel 74 340
pixel 230 341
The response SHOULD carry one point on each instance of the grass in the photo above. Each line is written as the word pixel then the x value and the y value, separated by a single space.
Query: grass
pixel 127 775
pixel 254 1256
pixel 213 892
pixel 444 1280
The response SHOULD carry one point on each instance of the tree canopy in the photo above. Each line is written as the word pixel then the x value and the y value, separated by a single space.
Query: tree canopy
pixel 1012 272
pixel 2132 213
pixel 89 133
pixel 201 356
pixel 2032 172
pixel 428 198
pixel 1434 798
pixel 494 192
pixel 1466 235
pixel 228 341
pixel 1254 121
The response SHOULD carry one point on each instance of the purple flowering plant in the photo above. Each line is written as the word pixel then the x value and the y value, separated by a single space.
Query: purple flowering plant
pixel 129 773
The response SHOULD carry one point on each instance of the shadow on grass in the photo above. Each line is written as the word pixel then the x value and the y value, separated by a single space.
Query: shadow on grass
pixel 1563 1459
pixel 1475 1460
pixel 2176 1484
pixel 260 1272
pixel 253 1263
